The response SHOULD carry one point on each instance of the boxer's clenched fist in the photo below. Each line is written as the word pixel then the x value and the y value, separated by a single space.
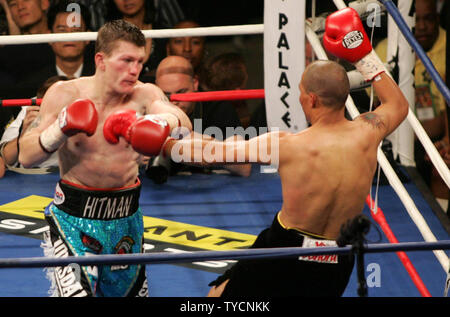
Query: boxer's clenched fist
pixel 146 134
pixel 79 117
pixel 345 38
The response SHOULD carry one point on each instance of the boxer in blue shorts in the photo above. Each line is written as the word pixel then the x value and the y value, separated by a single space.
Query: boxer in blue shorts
pixel 101 127
pixel 87 221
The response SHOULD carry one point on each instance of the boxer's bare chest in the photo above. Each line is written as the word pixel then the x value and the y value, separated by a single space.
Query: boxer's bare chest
pixel 92 161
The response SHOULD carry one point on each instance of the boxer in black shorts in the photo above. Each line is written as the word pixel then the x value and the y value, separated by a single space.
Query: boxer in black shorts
pixel 326 170
pixel 288 276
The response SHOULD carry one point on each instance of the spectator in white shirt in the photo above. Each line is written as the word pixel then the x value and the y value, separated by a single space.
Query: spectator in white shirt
pixel 9 146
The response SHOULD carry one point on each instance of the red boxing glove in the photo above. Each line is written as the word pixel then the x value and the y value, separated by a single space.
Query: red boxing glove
pixel 346 38
pixel 117 124
pixel 80 116
pixel 146 134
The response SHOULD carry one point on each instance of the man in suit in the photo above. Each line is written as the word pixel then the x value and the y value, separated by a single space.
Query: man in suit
pixel 72 59
pixel 18 61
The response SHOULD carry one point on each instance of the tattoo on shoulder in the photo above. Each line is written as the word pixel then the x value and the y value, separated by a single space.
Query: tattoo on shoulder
pixel 372 119
pixel 35 123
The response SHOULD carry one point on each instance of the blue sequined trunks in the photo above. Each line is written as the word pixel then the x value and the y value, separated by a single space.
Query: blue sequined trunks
pixel 86 222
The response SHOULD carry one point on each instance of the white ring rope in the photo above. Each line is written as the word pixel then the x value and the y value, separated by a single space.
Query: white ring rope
pixel 317 46
pixel 340 4
pixel 160 33
pixel 431 150
pixel 394 181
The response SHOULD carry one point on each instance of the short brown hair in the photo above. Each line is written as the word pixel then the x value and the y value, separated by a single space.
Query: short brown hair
pixel 226 71
pixel 116 30
pixel 329 81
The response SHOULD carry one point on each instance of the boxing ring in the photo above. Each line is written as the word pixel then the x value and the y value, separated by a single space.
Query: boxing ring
pixel 193 205
pixel 193 231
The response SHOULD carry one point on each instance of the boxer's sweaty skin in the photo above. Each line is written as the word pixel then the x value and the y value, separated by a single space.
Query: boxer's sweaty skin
pixel 326 170
pixel 92 161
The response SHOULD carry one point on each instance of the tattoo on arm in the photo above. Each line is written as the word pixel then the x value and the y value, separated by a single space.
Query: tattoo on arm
pixel 373 119
pixel 34 124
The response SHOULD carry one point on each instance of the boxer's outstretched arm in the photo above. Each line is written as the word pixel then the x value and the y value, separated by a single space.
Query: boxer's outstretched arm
pixel 238 169
pixel 30 151
pixel 263 149
pixel 166 110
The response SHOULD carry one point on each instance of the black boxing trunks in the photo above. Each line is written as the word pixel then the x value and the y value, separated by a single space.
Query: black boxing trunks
pixel 86 222
pixel 307 276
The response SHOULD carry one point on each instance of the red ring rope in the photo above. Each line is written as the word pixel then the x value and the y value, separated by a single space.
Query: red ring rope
pixel 239 94
pixel 20 102
pixel 378 216
pixel 192 96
